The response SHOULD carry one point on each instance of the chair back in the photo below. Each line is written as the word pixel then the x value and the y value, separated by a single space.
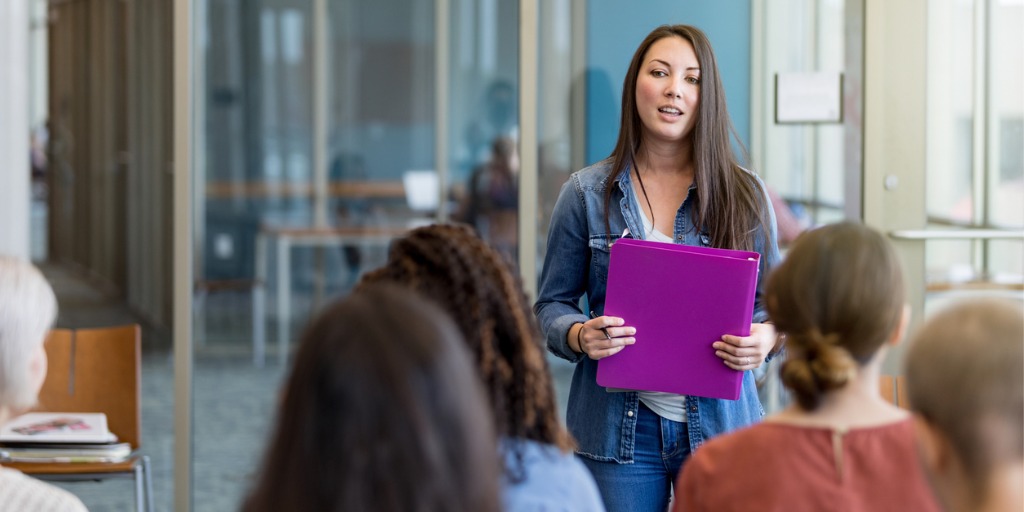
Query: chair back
pixel 96 370
pixel 893 390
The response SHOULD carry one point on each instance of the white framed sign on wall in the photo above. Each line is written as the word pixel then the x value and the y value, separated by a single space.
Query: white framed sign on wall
pixel 815 97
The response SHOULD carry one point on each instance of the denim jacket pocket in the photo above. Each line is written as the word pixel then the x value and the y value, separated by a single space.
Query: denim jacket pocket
pixel 600 248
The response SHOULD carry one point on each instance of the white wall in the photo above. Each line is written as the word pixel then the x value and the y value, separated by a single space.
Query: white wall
pixel 14 100
pixel 37 64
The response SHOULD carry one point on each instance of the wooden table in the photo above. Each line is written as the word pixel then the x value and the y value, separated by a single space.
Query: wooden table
pixel 282 240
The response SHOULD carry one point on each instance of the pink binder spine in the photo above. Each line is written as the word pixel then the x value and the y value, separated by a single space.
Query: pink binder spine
pixel 681 299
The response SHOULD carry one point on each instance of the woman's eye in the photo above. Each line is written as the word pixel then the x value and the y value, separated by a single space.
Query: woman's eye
pixel 659 73
pixel 693 80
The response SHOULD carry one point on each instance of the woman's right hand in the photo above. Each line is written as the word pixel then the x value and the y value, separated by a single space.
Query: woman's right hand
pixel 604 336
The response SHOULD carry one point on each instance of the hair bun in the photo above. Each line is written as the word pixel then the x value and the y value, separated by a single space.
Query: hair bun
pixel 818 364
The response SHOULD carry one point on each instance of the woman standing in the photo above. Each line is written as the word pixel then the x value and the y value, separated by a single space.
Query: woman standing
pixel 673 177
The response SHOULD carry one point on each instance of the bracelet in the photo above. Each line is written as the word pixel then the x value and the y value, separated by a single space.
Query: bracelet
pixel 579 340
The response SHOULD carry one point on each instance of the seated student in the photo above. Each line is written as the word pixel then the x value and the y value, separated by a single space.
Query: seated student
pixel 839 298
pixel 28 309
pixel 965 381
pixel 472 282
pixel 382 412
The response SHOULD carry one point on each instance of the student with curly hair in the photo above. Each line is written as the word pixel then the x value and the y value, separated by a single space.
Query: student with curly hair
pixel 452 265
pixel 965 380
pixel 382 412
pixel 839 298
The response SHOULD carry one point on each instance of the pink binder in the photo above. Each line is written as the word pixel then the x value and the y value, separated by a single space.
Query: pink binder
pixel 681 299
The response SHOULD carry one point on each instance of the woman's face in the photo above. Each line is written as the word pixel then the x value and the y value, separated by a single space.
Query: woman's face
pixel 668 90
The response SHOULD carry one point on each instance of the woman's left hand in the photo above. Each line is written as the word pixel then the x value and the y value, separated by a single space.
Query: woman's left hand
pixel 748 352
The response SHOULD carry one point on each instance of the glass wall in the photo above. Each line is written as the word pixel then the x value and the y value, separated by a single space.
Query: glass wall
pixel 561 76
pixel 319 127
pixel 951 137
pixel 253 174
pixel 483 119
pixel 1004 129
pixel 807 165
pixel 975 157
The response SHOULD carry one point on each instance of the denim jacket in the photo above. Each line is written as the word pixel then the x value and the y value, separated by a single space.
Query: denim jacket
pixel 604 423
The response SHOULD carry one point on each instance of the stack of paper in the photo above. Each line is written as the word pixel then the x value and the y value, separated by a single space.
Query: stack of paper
pixel 112 452
pixel 60 437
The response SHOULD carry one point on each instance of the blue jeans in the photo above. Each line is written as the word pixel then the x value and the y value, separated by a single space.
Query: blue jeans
pixel 645 485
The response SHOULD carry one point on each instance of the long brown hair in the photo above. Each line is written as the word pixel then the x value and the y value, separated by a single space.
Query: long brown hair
pixel 382 412
pixel 455 267
pixel 838 296
pixel 731 199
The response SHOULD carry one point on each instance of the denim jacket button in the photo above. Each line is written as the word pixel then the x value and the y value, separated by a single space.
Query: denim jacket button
pixel 693 408
pixel 629 413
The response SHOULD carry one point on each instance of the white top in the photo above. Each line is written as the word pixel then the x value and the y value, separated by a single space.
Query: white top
pixel 26 494
pixel 667 405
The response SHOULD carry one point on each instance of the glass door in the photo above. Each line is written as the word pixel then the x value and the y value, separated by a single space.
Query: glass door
pixel 324 129
pixel 812 169
pixel 975 158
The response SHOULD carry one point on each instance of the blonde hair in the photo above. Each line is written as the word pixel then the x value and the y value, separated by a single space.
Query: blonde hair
pixel 28 309
pixel 838 296
pixel 965 370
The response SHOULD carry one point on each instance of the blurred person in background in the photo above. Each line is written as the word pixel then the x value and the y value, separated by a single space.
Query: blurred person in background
pixel 491 204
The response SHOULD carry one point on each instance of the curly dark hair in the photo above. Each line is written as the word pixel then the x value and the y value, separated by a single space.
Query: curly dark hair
pixel 452 265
